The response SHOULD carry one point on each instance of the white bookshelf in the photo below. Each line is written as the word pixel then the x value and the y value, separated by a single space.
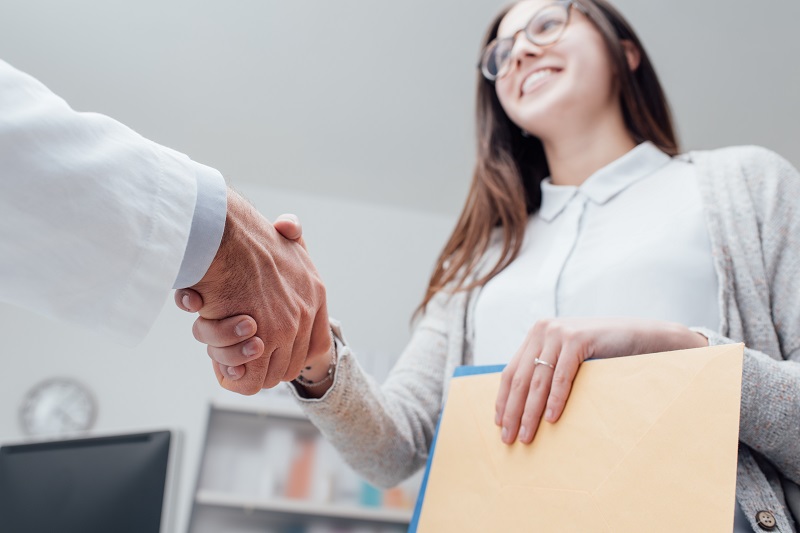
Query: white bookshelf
pixel 251 448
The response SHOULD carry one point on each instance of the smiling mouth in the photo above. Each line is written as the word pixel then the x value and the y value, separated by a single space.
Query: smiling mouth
pixel 536 79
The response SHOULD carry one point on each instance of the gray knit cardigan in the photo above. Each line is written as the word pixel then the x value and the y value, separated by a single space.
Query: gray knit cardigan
pixel 750 197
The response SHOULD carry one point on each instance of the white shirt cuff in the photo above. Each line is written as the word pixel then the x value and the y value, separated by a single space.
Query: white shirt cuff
pixel 208 223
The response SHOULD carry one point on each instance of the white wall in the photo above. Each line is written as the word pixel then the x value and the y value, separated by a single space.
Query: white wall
pixel 374 99
pixel 374 260
pixel 729 69
pixel 352 98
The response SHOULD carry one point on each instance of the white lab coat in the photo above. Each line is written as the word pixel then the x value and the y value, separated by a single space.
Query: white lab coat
pixel 94 218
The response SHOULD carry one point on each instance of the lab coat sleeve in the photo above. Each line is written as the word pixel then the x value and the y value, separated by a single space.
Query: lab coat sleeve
pixel 94 218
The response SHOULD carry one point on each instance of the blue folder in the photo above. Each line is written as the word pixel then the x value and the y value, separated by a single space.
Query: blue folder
pixel 459 372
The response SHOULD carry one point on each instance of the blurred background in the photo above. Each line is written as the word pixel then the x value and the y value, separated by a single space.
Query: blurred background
pixel 355 115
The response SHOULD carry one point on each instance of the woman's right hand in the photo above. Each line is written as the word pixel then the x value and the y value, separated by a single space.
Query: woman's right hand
pixel 231 341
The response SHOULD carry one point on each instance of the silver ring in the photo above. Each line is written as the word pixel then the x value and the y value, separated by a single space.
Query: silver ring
pixel 538 361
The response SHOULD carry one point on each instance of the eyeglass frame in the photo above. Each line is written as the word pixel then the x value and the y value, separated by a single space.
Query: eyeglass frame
pixel 567 4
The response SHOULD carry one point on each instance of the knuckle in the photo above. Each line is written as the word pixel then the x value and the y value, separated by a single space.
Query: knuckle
pixel 577 335
pixel 303 314
pixel 568 332
pixel 519 384
pixel 561 380
pixel 538 383
pixel 510 419
pixel 554 328
pixel 322 292
pixel 556 398
pixel 282 328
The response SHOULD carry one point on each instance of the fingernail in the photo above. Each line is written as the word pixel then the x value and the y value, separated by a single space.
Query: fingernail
pixel 504 434
pixel 250 348
pixel 497 419
pixel 185 301
pixel 243 328
pixel 549 415
pixel 523 434
pixel 231 371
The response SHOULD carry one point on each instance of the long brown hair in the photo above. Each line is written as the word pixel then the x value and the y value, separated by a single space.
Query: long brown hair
pixel 505 185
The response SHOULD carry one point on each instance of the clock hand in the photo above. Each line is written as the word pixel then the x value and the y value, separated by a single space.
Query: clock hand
pixel 64 415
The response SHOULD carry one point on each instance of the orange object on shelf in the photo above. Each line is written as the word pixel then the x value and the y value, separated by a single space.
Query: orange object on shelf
pixel 299 482
pixel 395 498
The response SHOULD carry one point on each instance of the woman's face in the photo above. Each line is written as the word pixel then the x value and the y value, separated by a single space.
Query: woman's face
pixel 555 88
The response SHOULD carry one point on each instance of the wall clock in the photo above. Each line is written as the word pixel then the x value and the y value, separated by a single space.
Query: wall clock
pixel 57 406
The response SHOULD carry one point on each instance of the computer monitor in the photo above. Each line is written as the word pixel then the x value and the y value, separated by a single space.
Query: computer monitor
pixel 91 485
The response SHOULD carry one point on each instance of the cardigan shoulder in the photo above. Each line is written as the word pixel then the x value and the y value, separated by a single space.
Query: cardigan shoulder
pixel 749 181
pixel 756 165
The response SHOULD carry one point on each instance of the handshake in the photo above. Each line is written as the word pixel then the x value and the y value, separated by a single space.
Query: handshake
pixel 263 312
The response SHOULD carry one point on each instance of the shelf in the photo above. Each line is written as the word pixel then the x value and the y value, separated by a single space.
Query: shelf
pixel 278 410
pixel 304 508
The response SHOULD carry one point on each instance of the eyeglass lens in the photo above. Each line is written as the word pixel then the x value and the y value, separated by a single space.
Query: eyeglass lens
pixel 545 28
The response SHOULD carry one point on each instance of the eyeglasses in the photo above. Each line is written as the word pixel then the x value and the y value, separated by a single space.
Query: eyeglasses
pixel 543 29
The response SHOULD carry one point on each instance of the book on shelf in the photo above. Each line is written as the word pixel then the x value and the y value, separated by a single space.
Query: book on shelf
pixel 302 464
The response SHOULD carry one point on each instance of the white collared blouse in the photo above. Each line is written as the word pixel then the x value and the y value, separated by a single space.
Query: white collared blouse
pixel 630 241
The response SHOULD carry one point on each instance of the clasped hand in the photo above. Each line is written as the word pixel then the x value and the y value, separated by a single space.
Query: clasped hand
pixel 266 298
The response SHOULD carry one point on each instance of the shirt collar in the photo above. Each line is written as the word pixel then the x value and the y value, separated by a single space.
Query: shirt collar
pixel 607 182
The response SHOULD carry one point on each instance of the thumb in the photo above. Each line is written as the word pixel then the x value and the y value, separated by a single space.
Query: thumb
pixel 188 300
pixel 289 226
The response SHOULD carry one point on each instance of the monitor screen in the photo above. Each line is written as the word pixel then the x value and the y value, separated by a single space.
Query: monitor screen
pixel 90 485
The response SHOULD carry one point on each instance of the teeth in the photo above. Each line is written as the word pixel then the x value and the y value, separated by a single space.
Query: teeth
pixel 531 80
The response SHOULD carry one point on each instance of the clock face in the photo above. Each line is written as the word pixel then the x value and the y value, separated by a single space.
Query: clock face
pixel 57 406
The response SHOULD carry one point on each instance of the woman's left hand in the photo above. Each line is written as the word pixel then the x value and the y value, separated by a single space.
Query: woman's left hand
pixel 539 377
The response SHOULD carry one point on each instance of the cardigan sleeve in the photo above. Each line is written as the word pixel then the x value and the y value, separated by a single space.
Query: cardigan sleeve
pixel 772 387
pixel 385 431
pixel 770 409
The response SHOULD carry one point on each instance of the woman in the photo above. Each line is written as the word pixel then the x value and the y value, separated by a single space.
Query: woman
pixel 580 207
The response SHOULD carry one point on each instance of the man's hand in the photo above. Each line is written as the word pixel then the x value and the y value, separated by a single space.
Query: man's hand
pixel 257 272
